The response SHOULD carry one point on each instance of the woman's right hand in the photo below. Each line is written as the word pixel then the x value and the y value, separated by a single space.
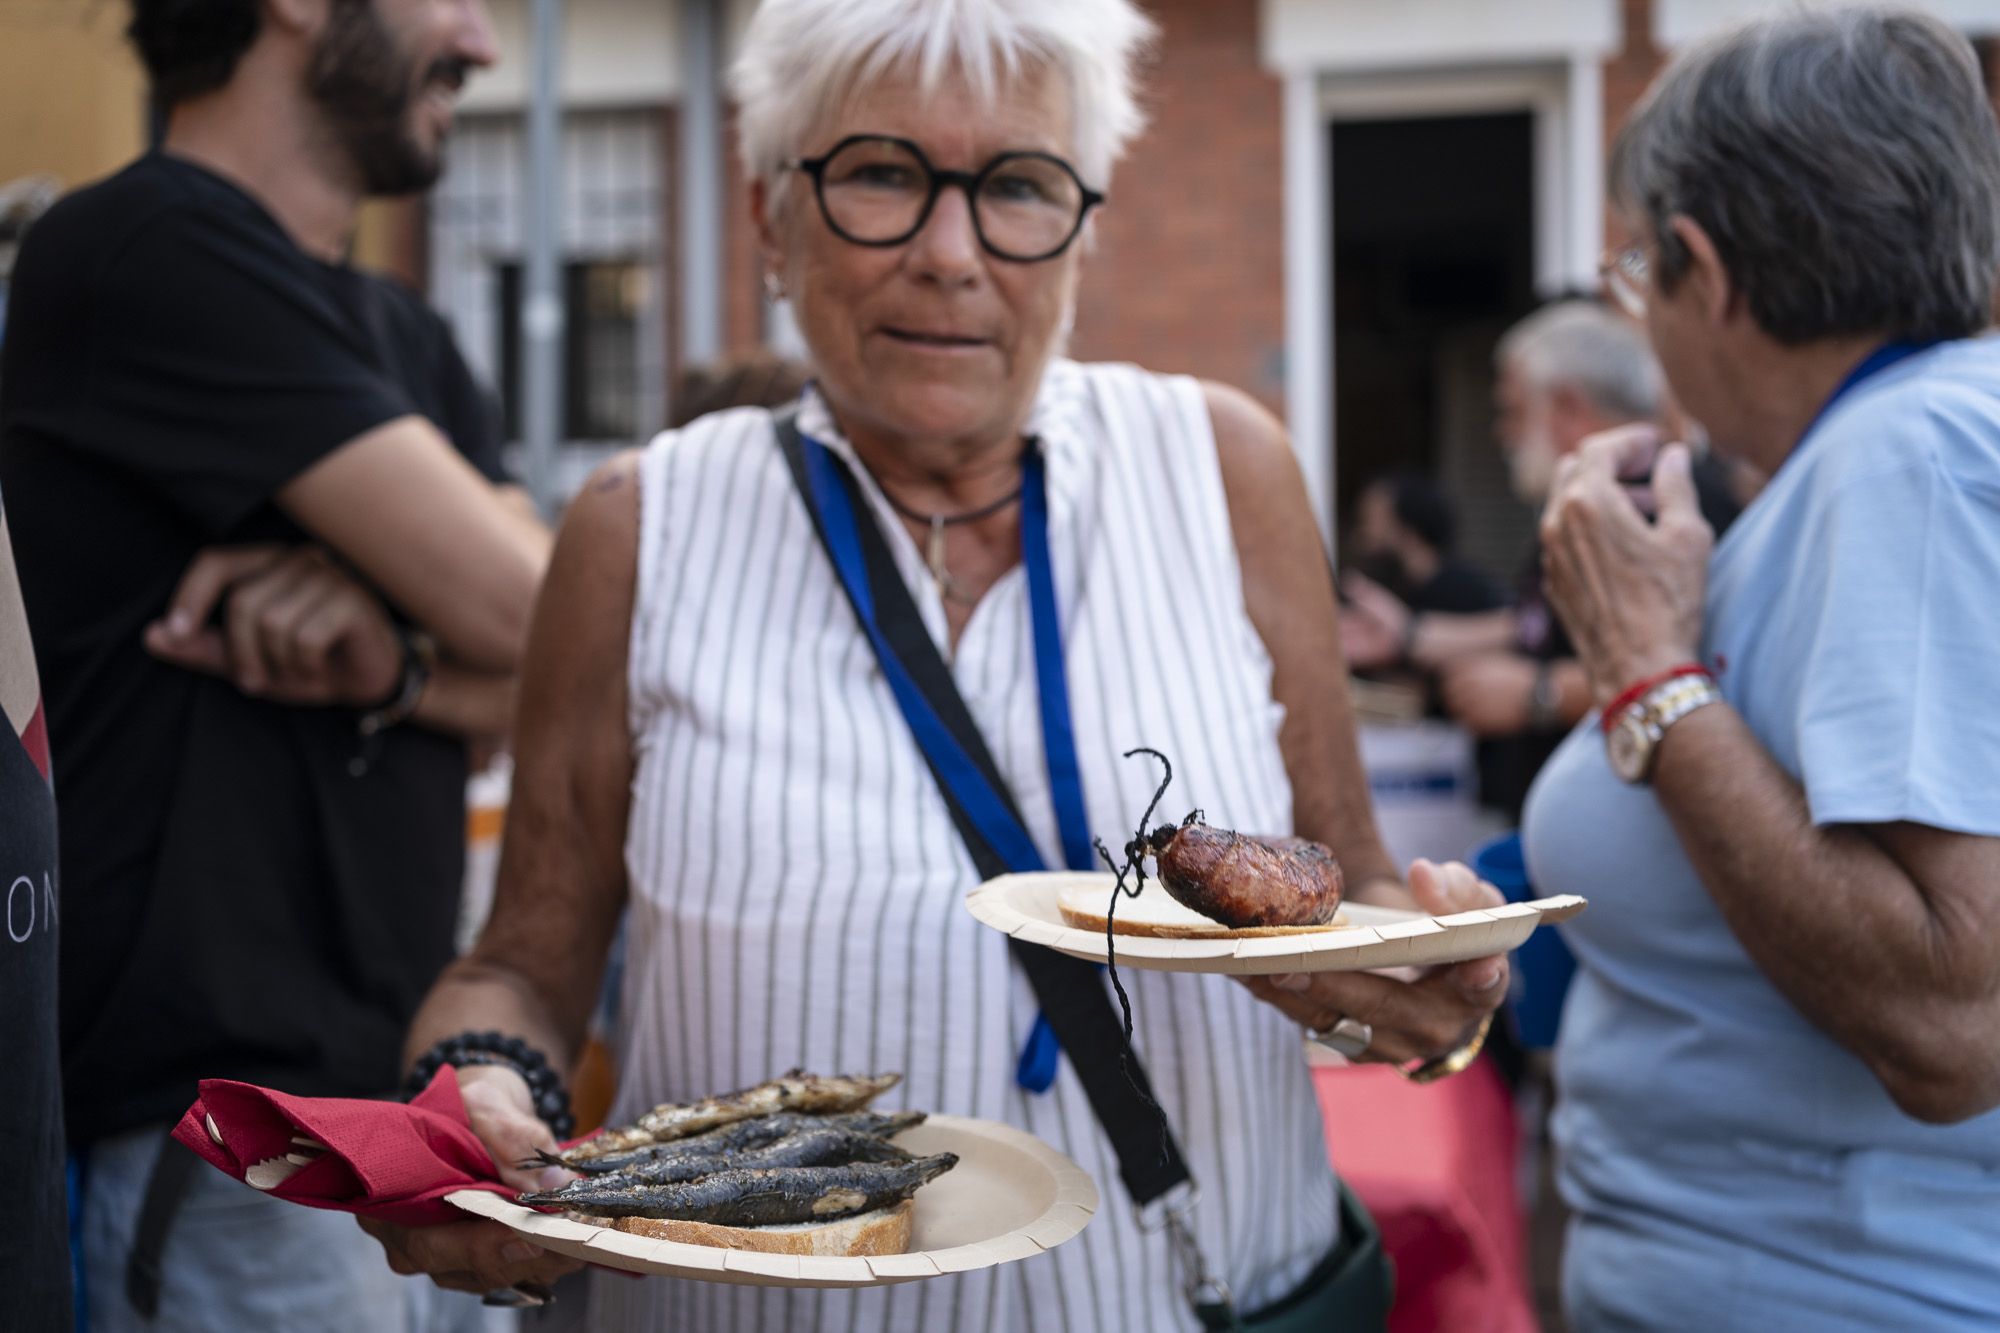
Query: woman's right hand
pixel 502 1111
pixel 486 1256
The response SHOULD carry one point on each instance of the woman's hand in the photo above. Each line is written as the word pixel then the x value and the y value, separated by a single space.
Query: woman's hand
pixel 501 1108
pixel 486 1256
pixel 1630 592
pixel 1412 1020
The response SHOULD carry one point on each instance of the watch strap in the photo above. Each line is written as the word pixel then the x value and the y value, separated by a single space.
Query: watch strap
pixel 419 662
pixel 1661 707
pixel 1671 702
pixel 1544 698
pixel 1636 693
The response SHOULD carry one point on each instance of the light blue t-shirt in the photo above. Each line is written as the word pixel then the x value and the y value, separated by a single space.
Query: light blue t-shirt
pixel 1731 1166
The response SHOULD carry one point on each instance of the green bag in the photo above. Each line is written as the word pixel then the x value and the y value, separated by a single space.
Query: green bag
pixel 1349 1292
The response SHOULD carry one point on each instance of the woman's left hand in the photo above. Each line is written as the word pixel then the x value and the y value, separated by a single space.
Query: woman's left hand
pixel 1411 1020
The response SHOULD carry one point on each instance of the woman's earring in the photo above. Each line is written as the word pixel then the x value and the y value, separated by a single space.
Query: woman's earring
pixel 774 286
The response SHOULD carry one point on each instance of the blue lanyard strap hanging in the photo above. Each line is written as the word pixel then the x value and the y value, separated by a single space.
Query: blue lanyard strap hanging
pixel 998 822
pixel 1077 1015
pixel 996 817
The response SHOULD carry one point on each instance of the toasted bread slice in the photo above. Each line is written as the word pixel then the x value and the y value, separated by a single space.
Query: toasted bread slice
pixel 1157 913
pixel 884 1231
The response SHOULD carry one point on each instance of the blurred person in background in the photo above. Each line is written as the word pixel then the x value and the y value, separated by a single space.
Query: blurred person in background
pixel 1404 539
pixel 708 737
pixel 1510 676
pixel 277 586
pixel 1778 1068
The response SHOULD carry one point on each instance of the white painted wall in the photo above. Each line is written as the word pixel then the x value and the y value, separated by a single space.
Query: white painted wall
pixel 1308 288
pixel 1338 35
pixel 1678 22
pixel 615 53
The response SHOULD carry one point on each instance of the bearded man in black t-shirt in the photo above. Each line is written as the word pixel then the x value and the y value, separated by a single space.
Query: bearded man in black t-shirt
pixel 277 587
pixel 1509 676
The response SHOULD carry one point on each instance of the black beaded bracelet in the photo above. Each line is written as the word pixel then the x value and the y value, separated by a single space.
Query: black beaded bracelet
pixel 545 1086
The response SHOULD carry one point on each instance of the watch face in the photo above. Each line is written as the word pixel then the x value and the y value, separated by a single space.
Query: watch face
pixel 1629 746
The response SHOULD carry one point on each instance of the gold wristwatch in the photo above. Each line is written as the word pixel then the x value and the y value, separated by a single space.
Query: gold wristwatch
pixel 1632 741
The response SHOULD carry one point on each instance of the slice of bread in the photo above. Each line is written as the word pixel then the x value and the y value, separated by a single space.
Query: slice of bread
pixel 884 1231
pixel 1157 913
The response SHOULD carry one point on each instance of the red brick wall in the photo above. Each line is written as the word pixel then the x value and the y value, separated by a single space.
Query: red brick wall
pixel 742 271
pixel 1188 270
pixel 1626 76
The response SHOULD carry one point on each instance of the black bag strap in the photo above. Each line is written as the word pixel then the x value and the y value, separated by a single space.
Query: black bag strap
pixel 166 1190
pixel 1071 992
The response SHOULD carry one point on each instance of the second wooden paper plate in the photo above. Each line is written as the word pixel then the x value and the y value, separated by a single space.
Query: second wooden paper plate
pixel 1027 907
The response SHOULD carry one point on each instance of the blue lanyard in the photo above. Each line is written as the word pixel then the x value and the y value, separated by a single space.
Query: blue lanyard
pixel 1036 1069
pixel 1877 361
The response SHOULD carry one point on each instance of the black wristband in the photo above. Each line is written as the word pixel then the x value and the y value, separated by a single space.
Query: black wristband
pixel 419 662
pixel 545 1086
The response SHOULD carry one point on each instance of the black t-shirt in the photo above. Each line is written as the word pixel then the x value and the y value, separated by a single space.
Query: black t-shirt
pixel 1457 589
pixel 1508 764
pixel 243 903
pixel 34 1250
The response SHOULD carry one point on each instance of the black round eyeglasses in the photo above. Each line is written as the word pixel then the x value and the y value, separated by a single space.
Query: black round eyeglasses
pixel 874 189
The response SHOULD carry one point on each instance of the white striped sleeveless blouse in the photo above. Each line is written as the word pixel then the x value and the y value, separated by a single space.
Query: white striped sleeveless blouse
pixel 797 879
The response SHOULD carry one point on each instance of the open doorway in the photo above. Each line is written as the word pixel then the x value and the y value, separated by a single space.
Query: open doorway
pixel 1433 256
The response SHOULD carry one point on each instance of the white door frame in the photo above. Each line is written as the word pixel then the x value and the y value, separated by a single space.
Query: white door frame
pixel 1566 99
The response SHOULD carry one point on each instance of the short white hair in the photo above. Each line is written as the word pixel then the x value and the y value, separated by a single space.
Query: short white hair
pixel 801 57
pixel 1584 346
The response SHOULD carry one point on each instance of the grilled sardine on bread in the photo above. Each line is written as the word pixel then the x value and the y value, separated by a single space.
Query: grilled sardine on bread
pixel 794 1166
pixel 793 1091
pixel 739 1137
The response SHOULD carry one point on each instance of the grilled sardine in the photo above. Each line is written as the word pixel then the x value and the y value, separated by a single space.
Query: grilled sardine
pixel 794 1091
pixel 742 1136
pixel 806 1147
pixel 753 1198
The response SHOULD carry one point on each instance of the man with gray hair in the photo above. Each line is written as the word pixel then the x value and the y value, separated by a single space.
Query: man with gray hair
pixel 1569 370
pixel 1780 1085
pixel 1564 373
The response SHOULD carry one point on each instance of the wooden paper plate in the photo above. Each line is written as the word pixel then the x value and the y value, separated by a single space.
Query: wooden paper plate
pixel 1027 907
pixel 1010 1197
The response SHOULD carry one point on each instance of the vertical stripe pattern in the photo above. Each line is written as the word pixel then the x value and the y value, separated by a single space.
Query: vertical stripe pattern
pixel 796 877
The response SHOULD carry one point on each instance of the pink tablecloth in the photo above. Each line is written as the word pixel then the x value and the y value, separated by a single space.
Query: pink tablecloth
pixel 1435 1165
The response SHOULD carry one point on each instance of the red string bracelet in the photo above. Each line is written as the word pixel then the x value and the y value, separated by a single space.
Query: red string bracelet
pixel 1633 693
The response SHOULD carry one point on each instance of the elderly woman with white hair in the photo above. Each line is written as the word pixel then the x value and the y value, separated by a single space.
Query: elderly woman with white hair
pixel 716 735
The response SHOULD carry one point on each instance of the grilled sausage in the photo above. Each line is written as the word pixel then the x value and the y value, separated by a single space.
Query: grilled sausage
pixel 1243 881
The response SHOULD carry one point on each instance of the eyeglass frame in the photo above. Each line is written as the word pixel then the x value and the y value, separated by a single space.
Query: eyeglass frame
pixel 1626 274
pixel 941 179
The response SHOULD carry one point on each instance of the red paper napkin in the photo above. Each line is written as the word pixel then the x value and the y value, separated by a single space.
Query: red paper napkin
pixel 386 1160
